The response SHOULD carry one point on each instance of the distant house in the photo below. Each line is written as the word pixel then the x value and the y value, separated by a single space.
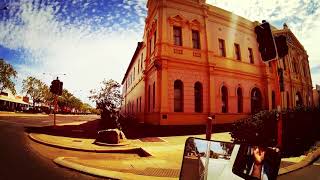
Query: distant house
pixel 196 59
pixel 9 102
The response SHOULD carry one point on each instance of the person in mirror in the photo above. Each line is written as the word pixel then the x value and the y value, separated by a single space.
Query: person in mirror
pixel 259 169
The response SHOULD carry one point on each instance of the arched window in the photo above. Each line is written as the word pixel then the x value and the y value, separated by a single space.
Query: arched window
pixel 299 101
pixel 153 96
pixel 149 96
pixel 288 100
pixel 224 99
pixel 273 97
pixel 178 96
pixel 240 100
pixel 256 100
pixel 198 97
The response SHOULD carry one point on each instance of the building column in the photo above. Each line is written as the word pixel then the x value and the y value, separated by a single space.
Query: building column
pixel 164 106
pixel 212 94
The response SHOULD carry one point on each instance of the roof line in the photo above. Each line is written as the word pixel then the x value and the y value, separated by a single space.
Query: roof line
pixel 139 46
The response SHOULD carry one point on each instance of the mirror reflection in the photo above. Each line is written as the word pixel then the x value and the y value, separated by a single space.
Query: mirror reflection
pixel 204 160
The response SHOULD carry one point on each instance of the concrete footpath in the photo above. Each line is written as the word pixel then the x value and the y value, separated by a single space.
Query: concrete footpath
pixel 146 158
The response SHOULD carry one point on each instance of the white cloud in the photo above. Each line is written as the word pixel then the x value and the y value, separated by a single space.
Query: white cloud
pixel 88 54
pixel 302 17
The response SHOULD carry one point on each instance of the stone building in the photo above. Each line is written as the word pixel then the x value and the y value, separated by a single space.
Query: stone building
pixel 196 59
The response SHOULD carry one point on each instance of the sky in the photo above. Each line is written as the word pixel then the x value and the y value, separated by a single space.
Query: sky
pixel 93 40
pixel 203 144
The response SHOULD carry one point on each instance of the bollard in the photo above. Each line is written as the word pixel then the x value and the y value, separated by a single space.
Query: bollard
pixel 209 127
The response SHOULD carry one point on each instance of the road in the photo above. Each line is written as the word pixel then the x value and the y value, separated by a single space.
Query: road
pixel 309 172
pixel 20 161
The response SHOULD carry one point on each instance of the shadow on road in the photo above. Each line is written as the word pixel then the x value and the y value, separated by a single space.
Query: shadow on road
pixel 89 130
pixel 141 131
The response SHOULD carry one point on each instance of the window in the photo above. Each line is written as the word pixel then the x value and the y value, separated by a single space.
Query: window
pixel 154 95
pixel 273 98
pixel 138 66
pixel 137 110
pixel 237 51
pixel 132 107
pixel 198 97
pixel 222 48
pixel 288 100
pixel 126 86
pixel 250 55
pixel 178 96
pixel 195 39
pixel 224 99
pixel 177 35
pixel 240 100
pixel 256 100
pixel 140 104
pixel 134 72
pixel 141 62
pixel 149 98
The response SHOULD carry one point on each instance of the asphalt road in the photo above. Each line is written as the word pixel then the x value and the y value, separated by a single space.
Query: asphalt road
pixel 19 161
pixel 311 172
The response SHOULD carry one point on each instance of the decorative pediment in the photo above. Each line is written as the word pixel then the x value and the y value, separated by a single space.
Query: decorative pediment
pixel 152 27
pixel 177 20
pixel 195 24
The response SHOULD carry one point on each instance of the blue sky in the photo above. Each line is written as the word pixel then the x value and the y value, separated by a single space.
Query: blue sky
pixel 203 144
pixel 92 40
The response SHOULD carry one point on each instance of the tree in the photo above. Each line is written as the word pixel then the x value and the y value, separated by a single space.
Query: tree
pixel 108 99
pixel 68 100
pixel 47 95
pixel 35 88
pixel 6 73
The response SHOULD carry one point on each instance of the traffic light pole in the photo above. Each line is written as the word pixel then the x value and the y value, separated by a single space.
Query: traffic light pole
pixel 279 103
pixel 271 49
pixel 276 66
pixel 55 110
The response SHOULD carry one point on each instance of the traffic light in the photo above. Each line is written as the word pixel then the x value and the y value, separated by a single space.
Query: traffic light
pixel 56 87
pixel 265 39
pixel 60 88
pixel 282 47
